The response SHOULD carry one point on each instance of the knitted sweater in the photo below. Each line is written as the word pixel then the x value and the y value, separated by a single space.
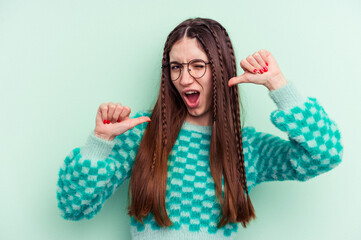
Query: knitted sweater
pixel 90 174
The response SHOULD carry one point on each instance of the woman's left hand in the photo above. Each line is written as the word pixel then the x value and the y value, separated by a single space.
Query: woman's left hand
pixel 260 68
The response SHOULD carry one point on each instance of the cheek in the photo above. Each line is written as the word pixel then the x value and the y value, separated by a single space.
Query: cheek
pixel 209 86
pixel 176 87
pixel 208 92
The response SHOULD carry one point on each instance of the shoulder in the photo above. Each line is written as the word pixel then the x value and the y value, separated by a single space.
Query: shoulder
pixel 251 137
pixel 248 131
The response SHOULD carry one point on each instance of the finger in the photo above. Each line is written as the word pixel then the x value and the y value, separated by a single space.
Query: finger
pixel 237 80
pixel 99 115
pixel 111 110
pixel 136 121
pixel 254 64
pixel 246 66
pixel 260 60
pixel 104 111
pixel 117 112
pixel 124 114
pixel 266 55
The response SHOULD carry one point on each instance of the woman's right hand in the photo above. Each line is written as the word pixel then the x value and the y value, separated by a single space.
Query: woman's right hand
pixel 113 120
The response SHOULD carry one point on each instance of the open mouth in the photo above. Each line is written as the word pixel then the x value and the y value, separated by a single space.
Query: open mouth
pixel 192 98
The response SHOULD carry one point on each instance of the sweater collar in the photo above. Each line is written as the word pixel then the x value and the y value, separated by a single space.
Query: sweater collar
pixel 197 128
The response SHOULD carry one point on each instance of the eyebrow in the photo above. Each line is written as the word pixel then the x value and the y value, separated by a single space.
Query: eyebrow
pixel 190 60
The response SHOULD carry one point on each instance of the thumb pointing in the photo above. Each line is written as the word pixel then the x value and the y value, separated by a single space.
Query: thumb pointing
pixel 136 121
pixel 238 79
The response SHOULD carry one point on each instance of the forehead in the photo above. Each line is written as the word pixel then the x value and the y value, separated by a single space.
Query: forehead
pixel 187 49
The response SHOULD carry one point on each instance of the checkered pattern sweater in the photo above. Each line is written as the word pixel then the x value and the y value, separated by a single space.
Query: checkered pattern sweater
pixel 90 174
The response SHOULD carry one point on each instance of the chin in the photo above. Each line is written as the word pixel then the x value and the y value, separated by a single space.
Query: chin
pixel 196 113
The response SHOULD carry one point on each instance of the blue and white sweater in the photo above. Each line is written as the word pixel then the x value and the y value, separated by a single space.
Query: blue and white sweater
pixel 90 174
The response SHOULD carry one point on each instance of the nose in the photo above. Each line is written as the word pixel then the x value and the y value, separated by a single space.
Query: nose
pixel 185 78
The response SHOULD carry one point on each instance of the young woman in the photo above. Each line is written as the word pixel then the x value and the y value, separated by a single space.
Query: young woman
pixel 190 160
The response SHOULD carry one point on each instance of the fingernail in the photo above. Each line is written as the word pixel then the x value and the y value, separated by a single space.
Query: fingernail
pixel 118 120
pixel 261 71
pixel 255 70
pixel 105 121
pixel 267 64
pixel 149 120
pixel 265 69
pixel 108 121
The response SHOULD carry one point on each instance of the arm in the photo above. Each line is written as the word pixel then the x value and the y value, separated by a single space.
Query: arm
pixel 314 146
pixel 90 174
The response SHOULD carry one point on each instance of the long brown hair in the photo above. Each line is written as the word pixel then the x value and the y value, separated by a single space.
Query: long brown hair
pixel 149 174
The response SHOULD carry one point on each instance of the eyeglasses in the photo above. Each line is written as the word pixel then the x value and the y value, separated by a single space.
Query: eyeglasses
pixel 196 68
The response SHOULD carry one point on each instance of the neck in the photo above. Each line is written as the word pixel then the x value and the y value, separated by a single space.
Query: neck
pixel 204 120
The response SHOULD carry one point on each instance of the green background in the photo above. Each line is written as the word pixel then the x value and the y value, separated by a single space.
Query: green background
pixel 59 60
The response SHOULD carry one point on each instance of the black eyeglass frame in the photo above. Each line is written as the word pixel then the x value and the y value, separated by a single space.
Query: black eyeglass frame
pixel 191 61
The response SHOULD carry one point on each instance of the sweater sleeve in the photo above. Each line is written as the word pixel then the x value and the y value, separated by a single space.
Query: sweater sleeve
pixel 90 174
pixel 313 147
